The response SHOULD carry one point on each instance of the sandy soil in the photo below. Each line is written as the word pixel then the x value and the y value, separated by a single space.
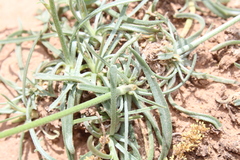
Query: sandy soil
pixel 196 95
pixel 12 14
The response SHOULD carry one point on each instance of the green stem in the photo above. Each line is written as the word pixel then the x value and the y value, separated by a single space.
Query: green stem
pixel 208 35
pixel 120 91
pixel 95 151
pixel 189 21
pixel 66 53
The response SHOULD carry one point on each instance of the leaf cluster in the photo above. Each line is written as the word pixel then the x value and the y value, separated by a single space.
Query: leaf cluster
pixel 100 57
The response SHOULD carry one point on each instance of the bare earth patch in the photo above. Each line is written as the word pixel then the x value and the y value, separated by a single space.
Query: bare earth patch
pixel 200 96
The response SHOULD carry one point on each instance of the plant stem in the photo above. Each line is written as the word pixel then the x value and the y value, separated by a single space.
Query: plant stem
pixel 189 21
pixel 120 91
pixel 208 35
pixel 66 53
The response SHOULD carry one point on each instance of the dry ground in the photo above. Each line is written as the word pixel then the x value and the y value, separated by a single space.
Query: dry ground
pixel 196 95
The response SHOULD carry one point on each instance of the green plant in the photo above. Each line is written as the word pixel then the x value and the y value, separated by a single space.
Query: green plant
pixel 91 60
pixel 215 6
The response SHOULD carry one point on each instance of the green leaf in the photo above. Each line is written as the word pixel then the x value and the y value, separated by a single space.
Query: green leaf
pixel 236 102
pixel 67 121
pixel 88 2
pixel 165 116
pixel 113 112
pixel 201 116
pixel 224 44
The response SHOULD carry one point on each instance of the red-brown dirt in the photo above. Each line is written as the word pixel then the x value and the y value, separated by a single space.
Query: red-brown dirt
pixel 196 95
